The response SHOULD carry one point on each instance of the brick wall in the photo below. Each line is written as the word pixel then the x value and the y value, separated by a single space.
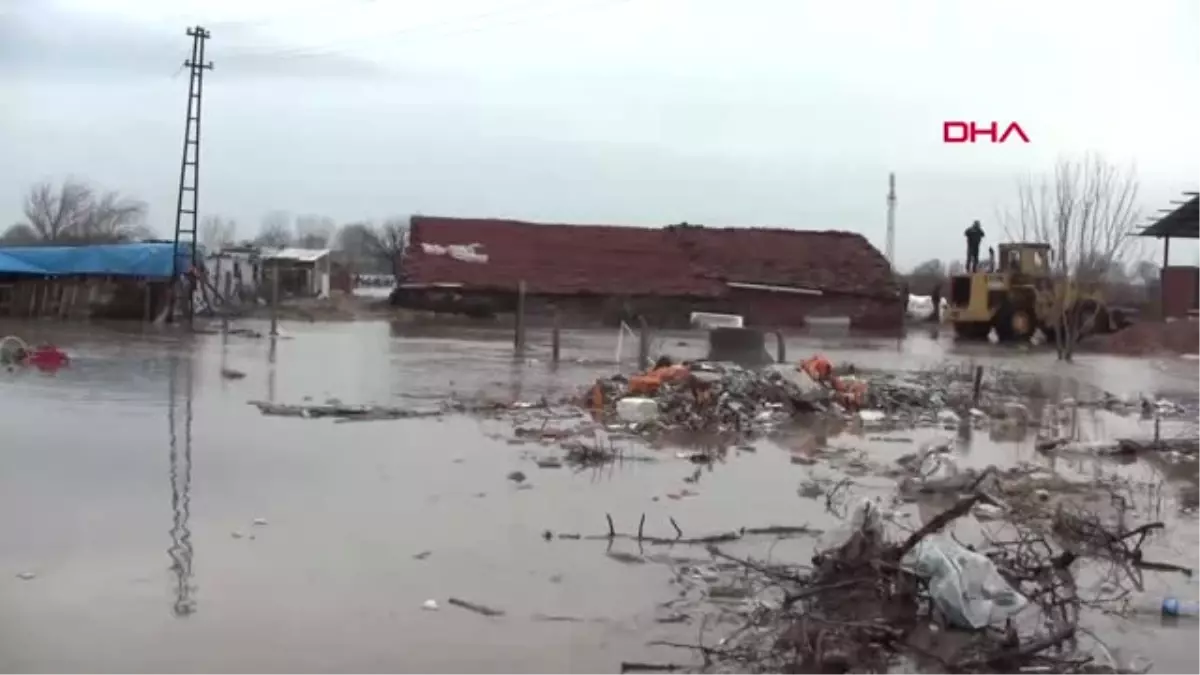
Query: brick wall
pixel 760 309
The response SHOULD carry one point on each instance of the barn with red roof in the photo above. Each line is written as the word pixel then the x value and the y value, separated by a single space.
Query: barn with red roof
pixel 772 277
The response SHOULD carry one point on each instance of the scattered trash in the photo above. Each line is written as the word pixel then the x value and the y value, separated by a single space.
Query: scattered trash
pixel 231 374
pixel 422 555
pixel 46 357
pixel 516 476
pixel 259 521
pixel 964 585
pixel 342 411
pixel 872 416
pixel 26 576
pixel 637 410
pixel 868 602
pixel 430 605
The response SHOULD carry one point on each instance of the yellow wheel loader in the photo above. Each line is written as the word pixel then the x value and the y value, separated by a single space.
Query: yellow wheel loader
pixel 1020 296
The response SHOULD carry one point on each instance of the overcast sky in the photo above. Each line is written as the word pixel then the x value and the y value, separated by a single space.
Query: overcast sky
pixel 749 112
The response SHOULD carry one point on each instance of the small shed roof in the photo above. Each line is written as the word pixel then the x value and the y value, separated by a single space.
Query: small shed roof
pixel 1183 222
pixel 303 255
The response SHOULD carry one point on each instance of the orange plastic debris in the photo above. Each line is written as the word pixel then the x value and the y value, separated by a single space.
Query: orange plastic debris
pixel 850 393
pixel 818 368
pixel 672 373
pixel 648 383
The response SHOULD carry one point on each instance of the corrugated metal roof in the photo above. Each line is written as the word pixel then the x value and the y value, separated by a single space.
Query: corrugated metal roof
pixel 295 254
pixel 1183 222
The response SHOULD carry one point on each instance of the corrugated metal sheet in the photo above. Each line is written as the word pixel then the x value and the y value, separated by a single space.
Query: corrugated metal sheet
pixel 304 255
pixel 674 261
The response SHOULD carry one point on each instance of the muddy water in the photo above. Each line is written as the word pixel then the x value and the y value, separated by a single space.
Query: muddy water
pixel 130 485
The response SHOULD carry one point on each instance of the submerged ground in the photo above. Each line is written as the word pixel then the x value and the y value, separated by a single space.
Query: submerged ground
pixel 152 520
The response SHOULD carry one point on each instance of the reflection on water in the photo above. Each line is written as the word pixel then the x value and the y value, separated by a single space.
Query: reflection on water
pixel 271 368
pixel 180 473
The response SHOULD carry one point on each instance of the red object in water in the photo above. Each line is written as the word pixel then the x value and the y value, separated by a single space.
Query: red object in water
pixel 47 357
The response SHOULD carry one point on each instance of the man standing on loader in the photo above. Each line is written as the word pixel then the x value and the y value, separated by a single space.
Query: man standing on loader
pixel 974 235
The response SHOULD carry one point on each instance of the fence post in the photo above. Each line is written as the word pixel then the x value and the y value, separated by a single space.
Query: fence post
pixel 519 327
pixel 275 300
pixel 643 344
pixel 556 337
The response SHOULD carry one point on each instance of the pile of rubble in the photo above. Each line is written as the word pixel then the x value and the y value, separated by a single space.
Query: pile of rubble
pixel 724 398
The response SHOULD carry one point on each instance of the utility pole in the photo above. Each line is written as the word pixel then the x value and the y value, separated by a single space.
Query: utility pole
pixel 189 182
pixel 891 220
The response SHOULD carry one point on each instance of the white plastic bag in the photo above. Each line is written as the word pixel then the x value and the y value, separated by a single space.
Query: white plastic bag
pixel 937 467
pixel 964 585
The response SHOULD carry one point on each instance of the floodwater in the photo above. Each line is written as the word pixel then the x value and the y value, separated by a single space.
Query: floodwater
pixel 169 526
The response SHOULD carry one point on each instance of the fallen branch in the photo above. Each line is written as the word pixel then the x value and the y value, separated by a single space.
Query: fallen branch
pixel 478 609
pixel 638 667
pixel 679 538
pixel 1016 655
pixel 936 523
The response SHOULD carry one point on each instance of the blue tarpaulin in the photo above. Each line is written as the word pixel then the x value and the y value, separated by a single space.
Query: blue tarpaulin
pixel 150 259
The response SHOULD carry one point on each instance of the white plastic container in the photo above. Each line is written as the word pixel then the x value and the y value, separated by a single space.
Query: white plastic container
pixel 636 410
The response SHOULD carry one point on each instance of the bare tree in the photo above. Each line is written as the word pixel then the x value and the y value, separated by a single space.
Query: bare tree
pixel 1086 212
pixel 314 231
pixel 19 234
pixel 217 232
pixel 73 213
pixel 392 239
pixel 926 277
pixel 360 243
pixel 275 231
pixel 383 245
pixel 929 268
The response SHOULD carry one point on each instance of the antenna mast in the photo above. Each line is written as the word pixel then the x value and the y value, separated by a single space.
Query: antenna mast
pixel 891 220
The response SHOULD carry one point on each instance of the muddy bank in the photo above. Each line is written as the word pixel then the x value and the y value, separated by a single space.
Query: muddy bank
pixel 1151 337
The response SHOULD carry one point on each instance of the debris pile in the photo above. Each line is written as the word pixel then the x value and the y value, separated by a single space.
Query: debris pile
pixel 721 397
pixel 923 601
pixel 710 397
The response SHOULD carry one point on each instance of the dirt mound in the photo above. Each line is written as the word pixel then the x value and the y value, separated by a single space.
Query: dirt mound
pixel 1177 337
